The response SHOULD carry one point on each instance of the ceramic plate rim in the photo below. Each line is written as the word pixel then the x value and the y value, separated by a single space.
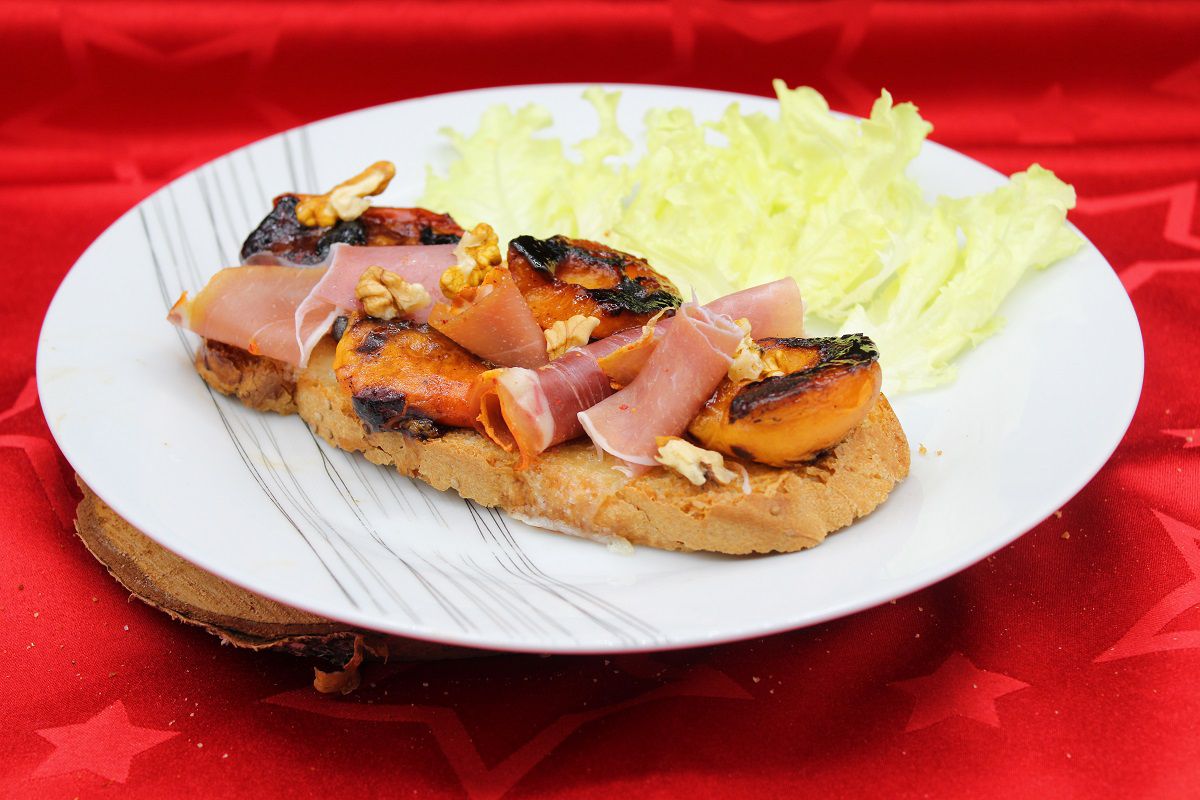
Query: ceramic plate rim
pixel 914 582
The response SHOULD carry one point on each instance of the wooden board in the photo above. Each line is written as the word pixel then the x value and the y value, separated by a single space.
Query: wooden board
pixel 238 617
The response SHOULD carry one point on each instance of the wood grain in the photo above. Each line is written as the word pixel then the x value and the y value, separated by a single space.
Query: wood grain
pixel 235 615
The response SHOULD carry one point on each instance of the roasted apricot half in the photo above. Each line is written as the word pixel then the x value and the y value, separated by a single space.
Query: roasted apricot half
pixel 561 278
pixel 827 387
pixel 281 239
pixel 406 377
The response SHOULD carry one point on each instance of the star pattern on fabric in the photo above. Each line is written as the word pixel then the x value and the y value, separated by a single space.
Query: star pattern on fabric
pixel 25 400
pixel 957 689
pixel 104 745
pixel 1139 273
pixel 1180 201
pixel 42 455
pixel 1147 634
pixel 1188 435
pixel 847 20
pixel 1053 118
pixel 461 751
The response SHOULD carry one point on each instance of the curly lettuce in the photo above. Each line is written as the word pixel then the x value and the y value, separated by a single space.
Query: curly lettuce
pixel 749 198
pixel 519 182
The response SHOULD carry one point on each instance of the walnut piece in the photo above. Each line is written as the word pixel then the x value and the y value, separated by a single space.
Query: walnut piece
pixel 346 201
pixel 385 295
pixel 750 363
pixel 694 463
pixel 575 332
pixel 477 252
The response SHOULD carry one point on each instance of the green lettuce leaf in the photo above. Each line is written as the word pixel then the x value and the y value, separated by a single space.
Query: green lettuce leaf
pixel 520 182
pixel 750 198
pixel 945 297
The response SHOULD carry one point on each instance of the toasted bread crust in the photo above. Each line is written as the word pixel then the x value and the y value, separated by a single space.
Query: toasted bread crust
pixel 261 383
pixel 571 488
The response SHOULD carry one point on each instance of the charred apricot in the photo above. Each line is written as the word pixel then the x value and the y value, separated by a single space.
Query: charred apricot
pixel 562 278
pixel 827 388
pixel 404 376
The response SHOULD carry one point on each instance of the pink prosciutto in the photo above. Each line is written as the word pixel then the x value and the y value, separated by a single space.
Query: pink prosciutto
pixel 773 309
pixel 334 293
pixel 494 322
pixel 250 307
pixel 529 410
pixel 680 375
pixel 282 312
pixel 423 264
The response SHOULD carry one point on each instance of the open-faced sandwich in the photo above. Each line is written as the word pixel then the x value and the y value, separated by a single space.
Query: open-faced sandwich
pixel 563 381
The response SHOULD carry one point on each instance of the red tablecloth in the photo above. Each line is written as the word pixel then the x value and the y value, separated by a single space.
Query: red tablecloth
pixel 1066 665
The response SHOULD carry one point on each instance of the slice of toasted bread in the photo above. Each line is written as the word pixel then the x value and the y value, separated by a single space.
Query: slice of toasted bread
pixel 571 488
pixel 261 383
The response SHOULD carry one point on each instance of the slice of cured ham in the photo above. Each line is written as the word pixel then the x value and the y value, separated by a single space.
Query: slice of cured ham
pixel 334 293
pixel 423 264
pixel 691 359
pixel 532 410
pixel 494 322
pixel 529 410
pixel 773 309
pixel 253 308
pixel 282 312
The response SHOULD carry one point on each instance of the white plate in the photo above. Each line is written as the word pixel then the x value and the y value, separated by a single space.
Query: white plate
pixel 256 499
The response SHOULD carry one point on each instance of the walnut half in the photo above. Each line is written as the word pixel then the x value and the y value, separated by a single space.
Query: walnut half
pixel 476 253
pixel 692 462
pixel 575 332
pixel 346 201
pixel 385 295
pixel 750 363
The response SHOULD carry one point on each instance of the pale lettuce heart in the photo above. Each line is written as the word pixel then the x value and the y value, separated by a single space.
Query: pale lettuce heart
pixel 944 299
pixel 750 198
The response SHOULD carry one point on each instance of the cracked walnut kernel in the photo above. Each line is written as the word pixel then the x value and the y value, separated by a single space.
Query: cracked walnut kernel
pixel 385 295
pixel 348 200
pixel 477 252
pixel 574 332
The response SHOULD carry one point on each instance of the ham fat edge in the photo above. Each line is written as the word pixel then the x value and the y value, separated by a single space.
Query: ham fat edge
pixel 494 322
pixel 680 375
pixel 251 307
pixel 334 294
pixel 531 410
pixel 282 312
pixel 527 405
